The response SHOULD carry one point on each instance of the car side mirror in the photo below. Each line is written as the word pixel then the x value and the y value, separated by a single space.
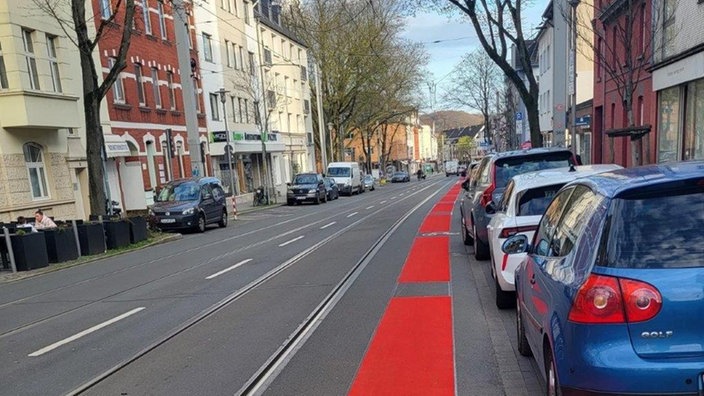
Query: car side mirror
pixel 490 208
pixel 288 184
pixel 516 244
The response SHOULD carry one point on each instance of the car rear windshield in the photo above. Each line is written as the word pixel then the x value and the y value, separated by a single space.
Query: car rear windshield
pixel 533 202
pixel 340 172
pixel 189 191
pixel 656 231
pixel 306 179
pixel 506 168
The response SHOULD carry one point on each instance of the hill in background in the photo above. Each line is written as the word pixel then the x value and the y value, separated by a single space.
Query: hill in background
pixel 448 119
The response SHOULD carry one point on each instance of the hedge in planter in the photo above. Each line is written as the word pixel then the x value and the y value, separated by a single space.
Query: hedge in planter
pixel 92 238
pixel 117 233
pixel 138 229
pixel 29 250
pixel 61 244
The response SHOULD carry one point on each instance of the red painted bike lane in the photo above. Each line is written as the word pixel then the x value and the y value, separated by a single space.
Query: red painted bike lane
pixel 411 352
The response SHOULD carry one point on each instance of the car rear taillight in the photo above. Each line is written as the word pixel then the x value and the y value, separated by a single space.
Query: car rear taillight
pixel 607 299
pixel 509 231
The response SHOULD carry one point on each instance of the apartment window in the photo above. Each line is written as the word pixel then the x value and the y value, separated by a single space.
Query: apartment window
pixel 641 111
pixel 140 85
pixel 3 72
pixel 641 30
pixel 245 9
pixel 233 54
pixel 599 57
pixel 668 28
pixel 34 161
pixel 227 53
pixel 214 108
pixel 30 59
pixel 147 19
pixel 172 89
pixel 234 6
pixel 246 111
pixel 118 87
pixel 162 20
pixel 105 9
pixel 240 104
pixel 53 62
pixel 155 88
pixel 207 47
pixel 233 107
pixel 241 57
pixel 251 63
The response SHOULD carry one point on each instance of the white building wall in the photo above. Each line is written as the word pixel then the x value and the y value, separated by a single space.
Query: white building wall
pixel 545 74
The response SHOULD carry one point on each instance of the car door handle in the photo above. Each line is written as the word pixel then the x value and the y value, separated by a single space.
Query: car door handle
pixel 532 280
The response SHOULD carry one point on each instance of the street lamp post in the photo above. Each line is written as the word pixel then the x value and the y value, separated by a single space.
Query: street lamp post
pixel 573 59
pixel 230 147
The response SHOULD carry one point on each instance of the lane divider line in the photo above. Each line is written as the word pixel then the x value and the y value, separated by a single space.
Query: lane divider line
pixel 369 207
pixel 352 214
pixel 328 225
pixel 292 240
pixel 382 202
pixel 215 275
pixel 84 333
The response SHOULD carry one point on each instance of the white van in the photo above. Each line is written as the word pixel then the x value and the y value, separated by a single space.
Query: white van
pixel 347 176
pixel 451 168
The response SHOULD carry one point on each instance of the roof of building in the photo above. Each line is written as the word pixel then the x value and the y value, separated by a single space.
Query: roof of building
pixel 451 135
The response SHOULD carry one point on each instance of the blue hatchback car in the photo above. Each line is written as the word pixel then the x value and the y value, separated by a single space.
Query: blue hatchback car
pixel 610 298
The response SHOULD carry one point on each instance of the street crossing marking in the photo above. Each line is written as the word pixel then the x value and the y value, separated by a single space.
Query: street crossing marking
pixel 291 241
pixel 84 333
pixel 228 269
pixel 327 225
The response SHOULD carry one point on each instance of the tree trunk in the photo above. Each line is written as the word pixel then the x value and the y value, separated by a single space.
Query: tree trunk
pixel 95 142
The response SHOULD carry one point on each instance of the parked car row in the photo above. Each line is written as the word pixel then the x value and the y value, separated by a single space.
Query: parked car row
pixel 603 265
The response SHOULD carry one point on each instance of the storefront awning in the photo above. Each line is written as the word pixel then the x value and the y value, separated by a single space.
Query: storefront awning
pixel 116 146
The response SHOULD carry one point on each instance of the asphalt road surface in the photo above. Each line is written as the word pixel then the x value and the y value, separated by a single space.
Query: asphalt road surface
pixel 370 294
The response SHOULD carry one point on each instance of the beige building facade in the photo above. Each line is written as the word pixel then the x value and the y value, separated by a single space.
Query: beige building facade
pixel 42 148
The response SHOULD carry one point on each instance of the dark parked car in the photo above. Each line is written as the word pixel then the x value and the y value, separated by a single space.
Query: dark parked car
pixel 609 296
pixel 190 204
pixel 368 182
pixel 307 187
pixel 400 177
pixel 491 177
pixel 331 188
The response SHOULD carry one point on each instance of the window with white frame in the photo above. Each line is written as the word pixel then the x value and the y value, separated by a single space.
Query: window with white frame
pixel 155 88
pixel 207 47
pixel 162 20
pixel 3 71
pixel 241 58
pixel 118 87
pixel 245 10
pixel 172 89
pixel 240 105
pixel 147 19
pixel 34 161
pixel 233 108
pixel 53 62
pixel 105 9
pixel 30 58
pixel 214 108
pixel 141 95
pixel 246 111
pixel 227 53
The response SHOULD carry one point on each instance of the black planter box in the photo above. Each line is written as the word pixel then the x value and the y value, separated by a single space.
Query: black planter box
pixel 61 245
pixel 117 234
pixel 30 251
pixel 92 238
pixel 138 229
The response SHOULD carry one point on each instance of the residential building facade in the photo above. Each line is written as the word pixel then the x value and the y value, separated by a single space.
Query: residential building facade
pixel 42 140
pixel 678 79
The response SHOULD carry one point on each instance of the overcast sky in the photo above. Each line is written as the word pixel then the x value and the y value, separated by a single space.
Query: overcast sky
pixel 446 40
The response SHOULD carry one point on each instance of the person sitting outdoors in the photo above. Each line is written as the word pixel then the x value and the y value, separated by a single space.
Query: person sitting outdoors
pixel 42 222
pixel 23 223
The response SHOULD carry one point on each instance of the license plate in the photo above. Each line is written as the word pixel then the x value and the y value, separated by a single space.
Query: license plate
pixel 168 220
pixel 300 198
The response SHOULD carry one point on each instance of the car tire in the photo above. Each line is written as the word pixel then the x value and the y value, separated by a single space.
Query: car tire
pixel 504 299
pixel 466 239
pixel 289 203
pixel 223 219
pixel 481 250
pixel 200 226
pixel 552 383
pixel 522 340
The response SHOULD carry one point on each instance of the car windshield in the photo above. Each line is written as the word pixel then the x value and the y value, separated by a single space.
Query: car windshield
pixel 340 172
pixel 506 168
pixel 305 179
pixel 533 202
pixel 656 232
pixel 400 174
pixel 368 178
pixel 189 191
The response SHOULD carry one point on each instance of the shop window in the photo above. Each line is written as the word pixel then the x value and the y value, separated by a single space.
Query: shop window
pixel 669 134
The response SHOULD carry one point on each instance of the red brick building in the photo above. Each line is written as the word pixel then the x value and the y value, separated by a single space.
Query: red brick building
pixel 608 110
pixel 144 102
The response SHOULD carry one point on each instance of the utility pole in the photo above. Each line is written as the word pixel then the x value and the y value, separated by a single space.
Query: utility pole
pixel 187 67
pixel 230 148
pixel 321 120
pixel 573 59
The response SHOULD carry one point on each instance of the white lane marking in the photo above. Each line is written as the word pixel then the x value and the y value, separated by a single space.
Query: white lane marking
pixel 327 225
pixel 228 269
pixel 84 333
pixel 291 241
pixel 352 214
pixel 369 207
pixel 382 202
pixel 394 197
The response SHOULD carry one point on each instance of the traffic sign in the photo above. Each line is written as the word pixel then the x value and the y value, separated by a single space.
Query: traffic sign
pixel 519 116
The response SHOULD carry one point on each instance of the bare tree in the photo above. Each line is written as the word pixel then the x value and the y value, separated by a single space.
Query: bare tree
pixel 618 39
pixel 71 16
pixel 475 80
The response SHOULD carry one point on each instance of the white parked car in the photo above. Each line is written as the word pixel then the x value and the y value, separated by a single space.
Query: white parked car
pixel 519 212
